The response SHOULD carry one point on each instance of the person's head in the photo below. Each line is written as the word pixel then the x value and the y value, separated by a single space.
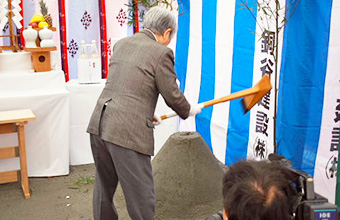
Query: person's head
pixel 162 23
pixel 257 190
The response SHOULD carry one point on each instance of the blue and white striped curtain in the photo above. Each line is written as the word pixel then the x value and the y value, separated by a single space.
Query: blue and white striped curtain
pixel 220 51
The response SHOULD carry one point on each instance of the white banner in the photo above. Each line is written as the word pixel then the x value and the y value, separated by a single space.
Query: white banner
pixel 327 157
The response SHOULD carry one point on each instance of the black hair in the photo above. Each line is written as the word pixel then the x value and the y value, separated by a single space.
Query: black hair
pixel 258 190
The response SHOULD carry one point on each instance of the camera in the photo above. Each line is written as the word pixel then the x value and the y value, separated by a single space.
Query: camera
pixel 306 204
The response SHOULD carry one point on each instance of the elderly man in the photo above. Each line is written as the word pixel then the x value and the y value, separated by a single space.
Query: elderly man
pixel 121 127
pixel 257 190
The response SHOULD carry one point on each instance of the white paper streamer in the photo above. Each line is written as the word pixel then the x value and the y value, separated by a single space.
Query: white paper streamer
pixel 17 14
pixel 3 23
pixel 16 21
pixel 3 13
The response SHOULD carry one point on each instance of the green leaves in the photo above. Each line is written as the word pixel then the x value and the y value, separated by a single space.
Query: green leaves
pixel 143 7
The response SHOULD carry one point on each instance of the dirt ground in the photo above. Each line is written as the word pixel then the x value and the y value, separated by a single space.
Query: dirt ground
pixel 57 198
pixel 188 184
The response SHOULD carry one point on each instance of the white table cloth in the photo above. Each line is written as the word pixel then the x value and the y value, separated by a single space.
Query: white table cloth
pixel 47 138
pixel 83 100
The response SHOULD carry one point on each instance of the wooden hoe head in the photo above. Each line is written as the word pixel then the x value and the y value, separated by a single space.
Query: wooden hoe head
pixel 262 88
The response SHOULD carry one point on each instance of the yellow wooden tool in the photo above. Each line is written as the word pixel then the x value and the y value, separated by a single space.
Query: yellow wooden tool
pixel 251 96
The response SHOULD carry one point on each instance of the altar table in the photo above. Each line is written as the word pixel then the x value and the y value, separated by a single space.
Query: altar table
pixel 47 142
pixel 83 98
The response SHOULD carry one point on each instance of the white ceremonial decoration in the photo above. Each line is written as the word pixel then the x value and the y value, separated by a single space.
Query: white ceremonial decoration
pixel 16 1
pixel 46 36
pixel 89 70
pixel 16 5
pixel 16 21
pixel 15 10
pixel 4 4
pixel 3 13
pixel 89 67
pixel 17 16
pixel 16 13
pixel 30 35
pixel 3 22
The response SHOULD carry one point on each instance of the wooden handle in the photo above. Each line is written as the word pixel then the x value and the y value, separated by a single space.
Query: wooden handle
pixel 258 91
pixel 230 97
pixel 168 115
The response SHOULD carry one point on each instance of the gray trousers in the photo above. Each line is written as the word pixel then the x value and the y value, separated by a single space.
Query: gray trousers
pixel 133 171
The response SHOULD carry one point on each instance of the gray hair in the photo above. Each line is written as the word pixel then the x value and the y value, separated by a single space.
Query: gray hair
pixel 159 19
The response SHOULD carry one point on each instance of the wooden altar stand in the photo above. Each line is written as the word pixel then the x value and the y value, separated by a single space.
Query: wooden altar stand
pixel 41 58
pixel 11 122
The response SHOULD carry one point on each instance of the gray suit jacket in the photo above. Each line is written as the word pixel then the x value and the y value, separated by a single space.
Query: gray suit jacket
pixel 140 69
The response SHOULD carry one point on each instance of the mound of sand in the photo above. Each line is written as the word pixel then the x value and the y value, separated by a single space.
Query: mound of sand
pixel 188 180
